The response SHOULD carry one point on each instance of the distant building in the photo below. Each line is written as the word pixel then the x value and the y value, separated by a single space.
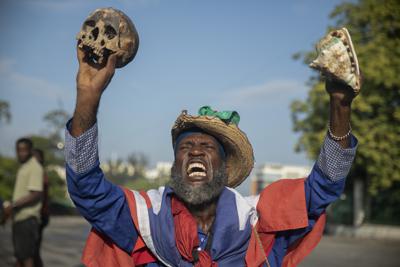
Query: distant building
pixel 118 168
pixel 161 171
pixel 271 172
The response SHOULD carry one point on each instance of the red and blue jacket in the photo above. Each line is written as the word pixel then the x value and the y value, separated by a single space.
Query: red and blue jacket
pixel 277 228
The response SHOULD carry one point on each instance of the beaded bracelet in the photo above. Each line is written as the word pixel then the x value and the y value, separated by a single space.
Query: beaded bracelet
pixel 338 138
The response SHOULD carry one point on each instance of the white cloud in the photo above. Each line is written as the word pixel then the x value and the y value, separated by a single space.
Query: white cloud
pixel 252 95
pixel 73 4
pixel 30 84
pixel 143 3
pixel 57 4
pixel 6 65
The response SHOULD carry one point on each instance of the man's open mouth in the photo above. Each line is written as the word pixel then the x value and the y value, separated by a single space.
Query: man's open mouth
pixel 196 169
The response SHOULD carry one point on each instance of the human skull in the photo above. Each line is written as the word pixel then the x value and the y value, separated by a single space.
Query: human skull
pixel 107 31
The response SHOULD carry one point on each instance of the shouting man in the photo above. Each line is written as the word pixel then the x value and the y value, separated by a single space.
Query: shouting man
pixel 199 219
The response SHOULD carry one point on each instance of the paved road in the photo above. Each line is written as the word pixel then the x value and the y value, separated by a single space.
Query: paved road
pixel 64 240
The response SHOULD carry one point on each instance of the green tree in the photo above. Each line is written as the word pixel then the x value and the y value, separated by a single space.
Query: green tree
pixel 375 29
pixel 5 114
pixel 54 157
pixel 142 183
pixel 116 171
pixel 8 169
pixel 52 147
pixel 56 120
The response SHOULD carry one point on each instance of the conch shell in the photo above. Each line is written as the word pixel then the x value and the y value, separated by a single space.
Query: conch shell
pixel 337 59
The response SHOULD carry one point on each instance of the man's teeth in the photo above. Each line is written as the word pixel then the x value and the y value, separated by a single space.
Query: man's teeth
pixel 196 169
pixel 196 174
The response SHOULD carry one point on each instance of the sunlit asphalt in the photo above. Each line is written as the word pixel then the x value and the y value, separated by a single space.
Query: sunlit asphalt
pixel 65 236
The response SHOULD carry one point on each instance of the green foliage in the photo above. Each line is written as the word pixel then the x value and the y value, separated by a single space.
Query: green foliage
pixel 341 211
pixel 56 120
pixel 5 114
pixel 52 154
pixel 375 30
pixel 385 208
pixel 144 184
pixel 117 171
pixel 8 170
pixel 57 187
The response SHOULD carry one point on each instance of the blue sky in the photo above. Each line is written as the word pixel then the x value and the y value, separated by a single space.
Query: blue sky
pixel 232 55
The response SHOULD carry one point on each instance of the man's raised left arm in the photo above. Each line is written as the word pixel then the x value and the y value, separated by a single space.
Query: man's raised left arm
pixel 327 179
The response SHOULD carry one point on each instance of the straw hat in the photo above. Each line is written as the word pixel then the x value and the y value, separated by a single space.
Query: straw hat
pixel 239 152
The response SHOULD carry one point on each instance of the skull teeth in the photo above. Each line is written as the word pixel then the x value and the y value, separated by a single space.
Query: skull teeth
pixel 97 51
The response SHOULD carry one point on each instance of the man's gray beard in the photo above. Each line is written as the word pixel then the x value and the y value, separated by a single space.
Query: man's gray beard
pixel 197 195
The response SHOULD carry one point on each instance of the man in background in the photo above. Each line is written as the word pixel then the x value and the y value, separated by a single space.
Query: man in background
pixel 44 212
pixel 26 204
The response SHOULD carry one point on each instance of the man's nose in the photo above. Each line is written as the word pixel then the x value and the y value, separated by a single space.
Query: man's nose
pixel 196 151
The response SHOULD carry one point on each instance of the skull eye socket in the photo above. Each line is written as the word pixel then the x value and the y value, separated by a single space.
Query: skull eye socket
pixel 95 33
pixel 110 32
pixel 90 23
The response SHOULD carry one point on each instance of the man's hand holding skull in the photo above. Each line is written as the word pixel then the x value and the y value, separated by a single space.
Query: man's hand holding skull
pixel 107 40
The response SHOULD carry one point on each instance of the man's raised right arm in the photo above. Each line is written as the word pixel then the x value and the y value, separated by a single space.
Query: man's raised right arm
pixel 102 203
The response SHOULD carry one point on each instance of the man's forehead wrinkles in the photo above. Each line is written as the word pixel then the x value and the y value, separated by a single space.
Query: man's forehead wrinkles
pixel 187 142
pixel 192 142
pixel 203 137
